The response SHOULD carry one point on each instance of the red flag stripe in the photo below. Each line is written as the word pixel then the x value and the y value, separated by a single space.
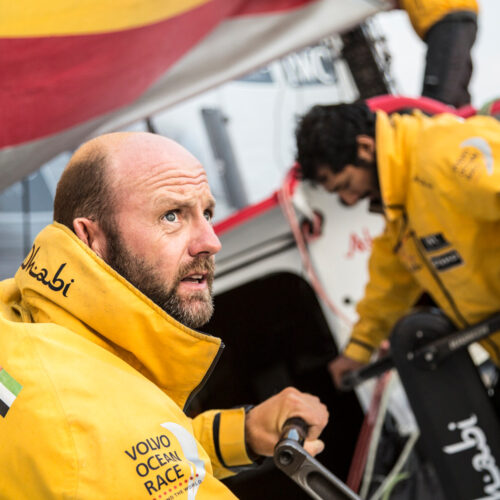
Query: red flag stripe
pixel 53 83
pixel 269 6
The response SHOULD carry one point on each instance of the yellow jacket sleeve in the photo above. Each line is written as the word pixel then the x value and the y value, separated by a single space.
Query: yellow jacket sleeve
pixel 390 291
pixel 222 435
pixel 424 14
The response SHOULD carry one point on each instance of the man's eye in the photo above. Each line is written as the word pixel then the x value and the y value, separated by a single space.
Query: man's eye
pixel 171 216
pixel 208 214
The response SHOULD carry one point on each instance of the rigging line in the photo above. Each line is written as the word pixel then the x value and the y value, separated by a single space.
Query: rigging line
pixel 284 197
pixel 398 466
pixel 388 381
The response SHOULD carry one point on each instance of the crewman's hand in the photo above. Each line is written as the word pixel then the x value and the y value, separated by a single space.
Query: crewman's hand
pixel 264 422
pixel 340 365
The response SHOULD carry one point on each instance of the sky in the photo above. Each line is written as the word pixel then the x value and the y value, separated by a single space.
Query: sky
pixel 408 53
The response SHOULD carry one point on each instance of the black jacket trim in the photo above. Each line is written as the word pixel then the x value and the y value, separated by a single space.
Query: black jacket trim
pixel 366 346
pixel 257 459
pixel 216 432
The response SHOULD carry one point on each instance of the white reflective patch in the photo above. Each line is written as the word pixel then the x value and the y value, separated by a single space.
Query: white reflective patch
pixel 190 451
pixel 481 144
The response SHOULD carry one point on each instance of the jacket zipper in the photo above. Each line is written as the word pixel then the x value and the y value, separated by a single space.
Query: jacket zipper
pixel 200 386
pixel 449 297
pixel 440 284
pixel 433 272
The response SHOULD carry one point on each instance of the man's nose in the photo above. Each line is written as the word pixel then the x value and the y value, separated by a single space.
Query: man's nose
pixel 349 198
pixel 204 240
pixel 329 187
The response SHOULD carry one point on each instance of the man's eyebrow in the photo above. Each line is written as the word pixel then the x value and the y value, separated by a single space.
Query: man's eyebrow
pixel 181 205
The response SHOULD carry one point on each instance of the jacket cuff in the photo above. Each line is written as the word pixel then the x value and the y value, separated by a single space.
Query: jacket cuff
pixel 359 351
pixel 229 439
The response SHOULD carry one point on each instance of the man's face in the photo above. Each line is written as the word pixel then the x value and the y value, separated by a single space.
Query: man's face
pixel 352 184
pixel 162 240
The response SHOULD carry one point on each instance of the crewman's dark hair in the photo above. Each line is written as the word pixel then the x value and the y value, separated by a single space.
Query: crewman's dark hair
pixel 326 135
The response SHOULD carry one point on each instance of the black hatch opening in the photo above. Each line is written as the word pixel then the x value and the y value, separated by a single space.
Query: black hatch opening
pixel 276 335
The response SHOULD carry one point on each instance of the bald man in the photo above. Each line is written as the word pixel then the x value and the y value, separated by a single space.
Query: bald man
pixel 98 349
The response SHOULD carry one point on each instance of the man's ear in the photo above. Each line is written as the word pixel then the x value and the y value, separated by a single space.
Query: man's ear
pixel 91 233
pixel 366 147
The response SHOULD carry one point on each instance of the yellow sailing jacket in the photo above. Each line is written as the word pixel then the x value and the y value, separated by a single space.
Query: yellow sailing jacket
pixel 440 185
pixel 424 14
pixel 93 380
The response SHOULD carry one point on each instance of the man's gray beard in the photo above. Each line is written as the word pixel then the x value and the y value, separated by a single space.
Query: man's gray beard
pixel 193 311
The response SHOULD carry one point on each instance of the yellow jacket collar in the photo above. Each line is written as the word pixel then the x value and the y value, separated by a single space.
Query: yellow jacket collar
pixel 394 143
pixel 64 282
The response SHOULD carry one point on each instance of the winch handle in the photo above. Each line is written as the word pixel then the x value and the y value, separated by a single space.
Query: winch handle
pixel 315 479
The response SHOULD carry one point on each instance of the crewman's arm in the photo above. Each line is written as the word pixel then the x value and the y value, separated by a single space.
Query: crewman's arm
pixel 390 292
pixel 232 438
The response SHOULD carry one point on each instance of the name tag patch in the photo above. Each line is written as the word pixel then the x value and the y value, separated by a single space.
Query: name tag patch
pixel 447 260
pixel 434 242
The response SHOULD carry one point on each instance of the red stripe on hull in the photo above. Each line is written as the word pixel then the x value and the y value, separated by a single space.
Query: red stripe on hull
pixel 246 214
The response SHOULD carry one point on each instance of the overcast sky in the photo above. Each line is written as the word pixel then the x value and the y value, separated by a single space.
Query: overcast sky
pixel 408 53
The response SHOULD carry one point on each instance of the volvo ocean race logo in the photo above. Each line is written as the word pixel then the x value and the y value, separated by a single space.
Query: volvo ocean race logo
pixel 473 437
